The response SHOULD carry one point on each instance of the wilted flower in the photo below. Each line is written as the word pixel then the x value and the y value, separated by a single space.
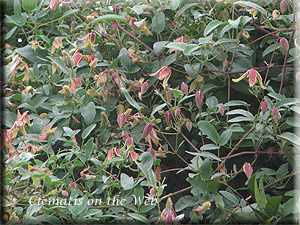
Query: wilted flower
pixel 284 44
pixel 264 107
pixel 145 29
pixel 69 91
pixel 164 74
pixel 168 118
pixel 121 119
pixel 252 74
pixel 184 88
pixel 221 110
pixel 86 176
pixel 147 129
pixel 199 98
pixel 275 14
pixel 35 45
pixel 247 168
pixel 201 209
pixel 275 113
pixel 19 124
pixel 77 58
pixel 225 64
pixel 168 215
pixel 57 43
pixel 89 40
pixel 283 6
pixel 135 58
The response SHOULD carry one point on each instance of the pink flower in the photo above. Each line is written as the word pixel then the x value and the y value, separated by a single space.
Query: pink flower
pixel 221 110
pixel 121 119
pixel 168 95
pixel 275 14
pixel 131 155
pixel 129 142
pixel 152 192
pixel 168 118
pixel 284 44
pixel 147 129
pixel 199 98
pixel 264 107
pixel 65 193
pixel 72 185
pixel 163 73
pixel 151 151
pixel 252 74
pixel 77 58
pixel 248 170
pixel 201 209
pixel 168 215
pixel 225 64
pixel 125 135
pixel 184 88
pixel 89 40
pixel 177 112
pixel 144 88
pixel 52 4
pixel 283 6
pixel 112 153
pixel 189 125
pixel 275 113
pixel 78 81
pixel 57 43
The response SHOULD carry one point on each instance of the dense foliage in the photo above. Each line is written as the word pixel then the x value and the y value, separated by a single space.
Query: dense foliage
pixel 161 111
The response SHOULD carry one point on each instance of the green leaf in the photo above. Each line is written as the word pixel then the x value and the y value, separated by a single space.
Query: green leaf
pixel 208 147
pixel 139 217
pixel 252 5
pixel 60 64
pixel 270 49
pixel 130 100
pixel 29 5
pixel 146 163
pixel 287 102
pixel 76 209
pixel 177 45
pixel 259 192
pixel 17 9
pixel 224 138
pixel 158 22
pixel 206 169
pixel 273 205
pixel 174 4
pixel 184 202
pixel 205 155
pixel 158 46
pixel 208 129
pixel 200 185
pixel 211 26
pixel 87 131
pixel 69 12
pixel 241 112
pixel 10 33
pixel 137 9
pixel 88 148
pixel 230 197
pixel 33 209
pixel 192 70
pixel 157 108
pixel 290 137
pixel 126 182
pixel 36 56
pixel 130 207
pixel 109 17
pixel 88 112
pixel 184 8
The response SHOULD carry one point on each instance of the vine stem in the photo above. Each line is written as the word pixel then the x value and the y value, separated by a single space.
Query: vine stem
pixel 194 147
pixel 287 53
pixel 260 152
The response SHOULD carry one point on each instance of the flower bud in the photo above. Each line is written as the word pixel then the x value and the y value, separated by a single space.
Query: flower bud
pixel 284 44
pixel 189 125
pixel 199 99
pixel 275 14
pixel 125 135
pixel 225 64
pixel 65 193
pixel 168 95
pixel 184 88
pixel 144 87
pixel 177 112
pixel 283 6
pixel 221 110
pixel 129 142
pixel 121 119
pixel 152 192
pixel 247 168
pixel 168 118
pixel 297 76
pixel 147 129
pixel 264 107
pixel 151 151
pixel 275 113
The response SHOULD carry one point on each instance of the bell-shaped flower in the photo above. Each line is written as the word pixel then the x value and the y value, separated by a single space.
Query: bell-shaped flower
pixel 144 88
pixel 221 110
pixel 164 74
pixel 189 125
pixel 77 58
pixel 112 153
pixel 168 118
pixel 264 107
pixel 276 114
pixel 284 44
pixel 147 129
pixel 275 14
pixel 184 88
pixel 52 4
pixel 168 214
pixel 253 12
pixel 89 40
pixel 248 170
pixel 131 155
pixel 121 119
pixel 283 6
pixel 252 75
pixel 46 134
pixel 57 44
pixel 151 151
pixel 31 148
pixel 199 98
pixel 145 29
pixel 19 124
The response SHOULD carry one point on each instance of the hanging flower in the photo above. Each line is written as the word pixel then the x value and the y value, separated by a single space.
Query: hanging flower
pixel 168 214
pixel 275 14
pixel 199 98
pixel 19 124
pixel 184 88
pixel 252 74
pixel 131 156
pixel 264 107
pixel 147 129
pixel 46 134
pixel 221 110
pixel 89 40
pixel 57 44
pixel 201 209
pixel 248 170
pixel 121 119
pixel 112 153
pixel 276 114
pixel 253 12
pixel 164 74
pixel 284 44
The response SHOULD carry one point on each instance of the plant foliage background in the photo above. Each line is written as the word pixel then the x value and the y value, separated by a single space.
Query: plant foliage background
pixel 141 102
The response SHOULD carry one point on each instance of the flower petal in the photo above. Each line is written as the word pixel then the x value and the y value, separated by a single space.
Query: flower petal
pixel 241 77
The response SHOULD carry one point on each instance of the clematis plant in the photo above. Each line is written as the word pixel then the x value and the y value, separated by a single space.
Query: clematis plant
pixel 89 40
